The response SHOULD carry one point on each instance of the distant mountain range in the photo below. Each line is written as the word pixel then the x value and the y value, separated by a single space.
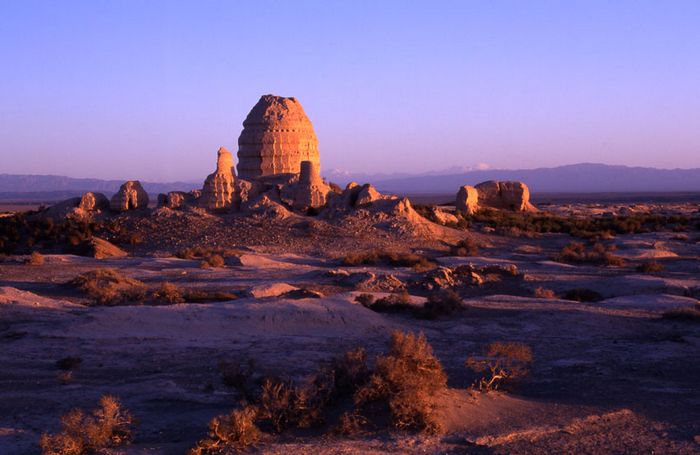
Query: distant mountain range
pixel 575 178
pixel 47 188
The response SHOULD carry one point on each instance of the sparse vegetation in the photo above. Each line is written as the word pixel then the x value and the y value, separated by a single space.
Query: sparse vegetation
pixel 503 363
pixel 582 295
pixel 233 432
pixel 107 426
pixel 389 304
pixel 444 303
pixel 576 252
pixel 465 247
pixel 109 287
pixel 650 267
pixel 214 260
pixel 404 383
pixel 35 258
pixel 379 257
pixel 202 253
pixel 543 293
pixel 203 295
pixel 169 293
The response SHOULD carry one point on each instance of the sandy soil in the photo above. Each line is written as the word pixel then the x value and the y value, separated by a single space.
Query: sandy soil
pixel 608 377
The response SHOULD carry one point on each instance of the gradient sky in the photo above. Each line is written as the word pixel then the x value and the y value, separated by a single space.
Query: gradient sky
pixel 150 89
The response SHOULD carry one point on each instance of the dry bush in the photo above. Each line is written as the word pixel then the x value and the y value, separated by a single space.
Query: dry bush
pixel 366 300
pixel 404 383
pixel 35 258
pixel 201 253
pixel 650 267
pixel 227 433
pixel 239 375
pixel 350 423
pixel 582 295
pixel 109 287
pixel 349 373
pixel 576 252
pixel 543 293
pixel 398 259
pixel 202 295
pixel 107 426
pixel 215 260
pixel 168 293
pixel 504 363
pixel 443 303
pixel 392 303
pixel 284 405
pixel 683 314
pixel 465 247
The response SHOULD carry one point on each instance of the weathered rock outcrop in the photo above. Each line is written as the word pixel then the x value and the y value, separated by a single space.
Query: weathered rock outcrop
pixel 93 201
pixel 311 191
pixel 505 195
pixel 513 196
pixel 218 191
pixel 467 200
pixel 177 199
pixel 130 196
pixel 277 136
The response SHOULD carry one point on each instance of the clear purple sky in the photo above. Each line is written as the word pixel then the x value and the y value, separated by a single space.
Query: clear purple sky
pixel 150 89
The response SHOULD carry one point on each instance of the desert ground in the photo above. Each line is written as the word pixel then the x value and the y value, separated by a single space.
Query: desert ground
pixel 614 375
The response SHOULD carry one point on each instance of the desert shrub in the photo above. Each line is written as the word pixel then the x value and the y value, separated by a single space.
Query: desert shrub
pixel 440 304
pixel 109 287
pixel 203 253
pixel 203 295
pixel 35 258
pixel 465 247
pixel 108 426
pixel 365 300
pixel 503 363
pixel 404 383
pixel 543 293
pixel 239 375
pixel 350 423
pixel 214 260
pixel 283 404
pixel 582 295
pixel 68 363
pixel 227 433
pixel 349 372
pixel 392 303
pixel 683 314
pixel 650 267
pixel 169 293
pixel 576 252
pixel 398 259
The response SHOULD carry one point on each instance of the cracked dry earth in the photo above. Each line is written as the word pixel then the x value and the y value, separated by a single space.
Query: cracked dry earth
pixel 608 377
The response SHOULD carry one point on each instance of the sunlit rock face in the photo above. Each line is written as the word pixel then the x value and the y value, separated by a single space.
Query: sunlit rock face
pixel 467 200
pixel 130 196
pixel 218 190
pixel 311 191
pixel 505 195
pixel 277 136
